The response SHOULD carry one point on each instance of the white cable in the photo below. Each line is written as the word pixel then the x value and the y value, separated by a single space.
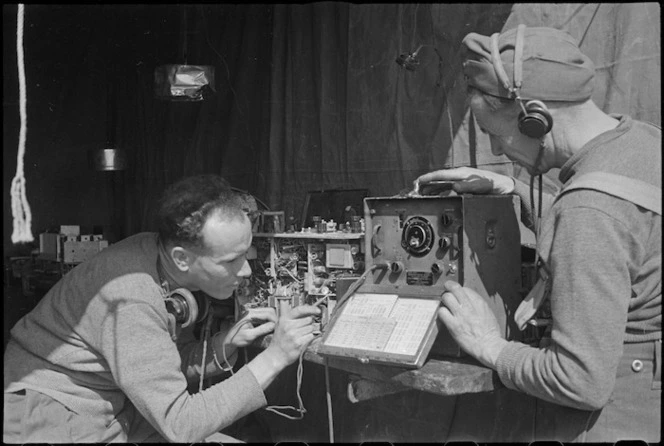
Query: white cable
pixel 328 398
pixel 206 336
pixel 20 207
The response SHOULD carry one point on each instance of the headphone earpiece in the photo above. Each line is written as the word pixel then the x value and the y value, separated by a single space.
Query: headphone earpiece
pixel 535 121
pixel 182 304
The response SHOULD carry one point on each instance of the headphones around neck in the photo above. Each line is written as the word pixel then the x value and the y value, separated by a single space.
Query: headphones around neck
pixel 182 303
pixel 535 120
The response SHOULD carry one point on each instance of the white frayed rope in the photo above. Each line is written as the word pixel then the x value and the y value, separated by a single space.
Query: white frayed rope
pixel 20 206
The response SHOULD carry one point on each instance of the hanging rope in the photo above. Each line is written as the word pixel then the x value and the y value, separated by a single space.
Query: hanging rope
pixel 20 206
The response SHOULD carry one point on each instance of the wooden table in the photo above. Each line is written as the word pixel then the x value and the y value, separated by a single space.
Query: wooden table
pixel 441 376
pixel 447 399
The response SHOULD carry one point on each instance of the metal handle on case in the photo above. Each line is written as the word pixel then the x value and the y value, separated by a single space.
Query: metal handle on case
pixel 375 250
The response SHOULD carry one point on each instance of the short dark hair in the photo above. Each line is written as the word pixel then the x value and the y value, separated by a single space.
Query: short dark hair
pixel 186 205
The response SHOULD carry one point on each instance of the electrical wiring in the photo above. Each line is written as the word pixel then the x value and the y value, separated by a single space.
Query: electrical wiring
pixel 259 201
pixel 223 350
pixel 289 273
pixel 589 23
pixel 223 59
pixel 340 303
pixel 301 409
pixel 206 335
pixel 236 100
pixel 229 366
pixel 536 218
pixel 277 409
pixel 328 400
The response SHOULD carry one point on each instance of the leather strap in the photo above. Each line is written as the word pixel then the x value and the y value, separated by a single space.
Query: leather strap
pixel 636 191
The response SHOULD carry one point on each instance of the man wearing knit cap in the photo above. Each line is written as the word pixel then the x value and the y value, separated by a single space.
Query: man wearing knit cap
pixel 597 371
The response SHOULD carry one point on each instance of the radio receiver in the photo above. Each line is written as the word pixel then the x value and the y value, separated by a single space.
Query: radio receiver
pixel 413 245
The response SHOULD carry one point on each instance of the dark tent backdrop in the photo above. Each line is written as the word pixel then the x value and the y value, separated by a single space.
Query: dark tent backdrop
pixel 308 97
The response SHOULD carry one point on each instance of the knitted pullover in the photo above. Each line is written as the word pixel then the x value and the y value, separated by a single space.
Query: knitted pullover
pixel 101 336
pixel 605 259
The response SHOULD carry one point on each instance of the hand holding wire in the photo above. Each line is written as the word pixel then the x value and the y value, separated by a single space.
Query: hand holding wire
pixel 256 322
pixel 294 331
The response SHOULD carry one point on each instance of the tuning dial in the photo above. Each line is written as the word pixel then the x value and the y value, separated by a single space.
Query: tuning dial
pixel 417 237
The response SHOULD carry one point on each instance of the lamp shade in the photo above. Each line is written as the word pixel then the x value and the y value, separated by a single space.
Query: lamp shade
pixel 107 159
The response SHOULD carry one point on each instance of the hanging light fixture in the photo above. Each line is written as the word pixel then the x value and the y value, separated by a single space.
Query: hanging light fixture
pixel 183 82
pixel 109 158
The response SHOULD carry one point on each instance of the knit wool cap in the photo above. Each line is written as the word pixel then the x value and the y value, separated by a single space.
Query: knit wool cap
pixel 553 67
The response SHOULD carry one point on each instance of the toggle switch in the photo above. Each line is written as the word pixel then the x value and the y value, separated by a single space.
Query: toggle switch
pixel 445 242
pixel 396 267
pixel 437 268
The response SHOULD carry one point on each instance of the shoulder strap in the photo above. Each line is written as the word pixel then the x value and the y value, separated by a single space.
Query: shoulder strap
pixel 636 191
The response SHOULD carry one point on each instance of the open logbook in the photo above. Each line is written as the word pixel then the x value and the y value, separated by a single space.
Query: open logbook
pixel 382 328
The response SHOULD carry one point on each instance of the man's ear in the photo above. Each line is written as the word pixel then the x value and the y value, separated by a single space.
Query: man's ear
pixel 181 257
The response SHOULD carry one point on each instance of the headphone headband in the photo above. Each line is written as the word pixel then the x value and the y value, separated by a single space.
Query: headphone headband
pixel 535 120
pixel 498 64
pixel 518 62
pixel 518 58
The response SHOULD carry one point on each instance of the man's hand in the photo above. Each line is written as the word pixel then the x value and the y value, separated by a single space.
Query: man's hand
pixel 471 323
pixel 295 330
pixel 256 323
pixel 469 180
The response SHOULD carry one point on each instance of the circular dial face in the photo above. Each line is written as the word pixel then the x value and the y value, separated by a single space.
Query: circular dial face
pixel 417 236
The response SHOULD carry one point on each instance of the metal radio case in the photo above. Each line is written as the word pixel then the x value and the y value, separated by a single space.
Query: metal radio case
pixel 427 240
